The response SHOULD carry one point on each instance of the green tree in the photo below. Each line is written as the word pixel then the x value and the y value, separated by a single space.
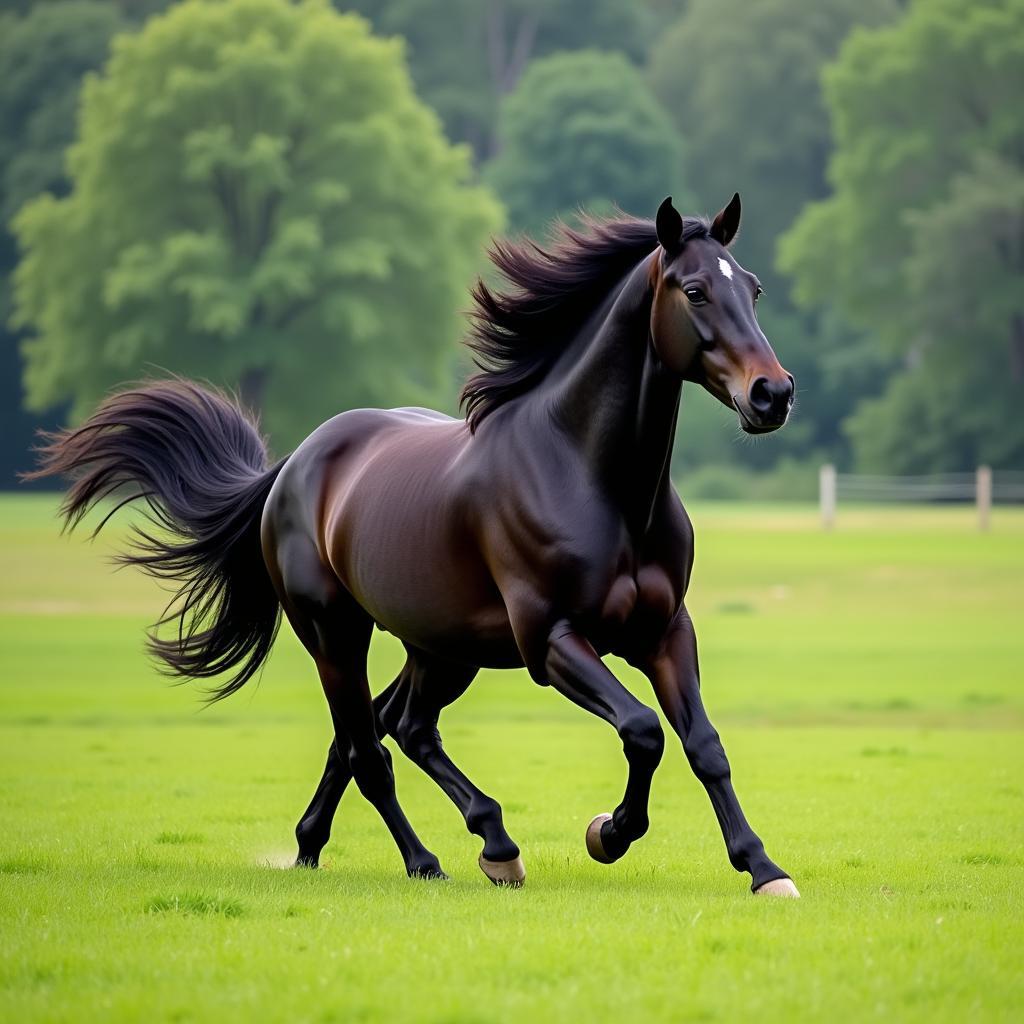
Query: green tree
pixel 741 81
pixel 922 240
pixel 43 56
pixel 466 54
pixel 259 198
pixel 582 129
pixel 42 59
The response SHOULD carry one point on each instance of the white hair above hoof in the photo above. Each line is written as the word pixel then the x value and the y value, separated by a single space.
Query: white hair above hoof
pixel 509 873
pixel 779 887
pixel 594 845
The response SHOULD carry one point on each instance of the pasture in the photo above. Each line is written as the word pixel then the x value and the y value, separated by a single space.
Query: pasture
pixel 869 688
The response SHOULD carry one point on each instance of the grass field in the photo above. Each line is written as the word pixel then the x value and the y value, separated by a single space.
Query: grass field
pixel 869 686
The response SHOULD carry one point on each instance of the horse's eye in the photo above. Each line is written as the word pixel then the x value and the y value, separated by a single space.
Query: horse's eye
pixel 758 293
pixel 696 296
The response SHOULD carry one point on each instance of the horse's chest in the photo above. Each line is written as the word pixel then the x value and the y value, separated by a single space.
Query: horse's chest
pixel 647 594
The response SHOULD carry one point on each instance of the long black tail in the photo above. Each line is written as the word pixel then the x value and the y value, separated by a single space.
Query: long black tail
pixel 200 464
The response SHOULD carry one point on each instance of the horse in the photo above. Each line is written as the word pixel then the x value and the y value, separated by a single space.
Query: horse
pixel 539 530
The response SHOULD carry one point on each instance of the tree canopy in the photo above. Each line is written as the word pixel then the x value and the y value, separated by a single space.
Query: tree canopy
pixel 742 83
pixel 466 55
pixel 921 240
pixel 43 55
pixel 254 194
pixel 582 129
pixel 42 59
pixel 257 196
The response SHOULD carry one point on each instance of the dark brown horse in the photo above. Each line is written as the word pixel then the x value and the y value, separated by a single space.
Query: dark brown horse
pixel 542 531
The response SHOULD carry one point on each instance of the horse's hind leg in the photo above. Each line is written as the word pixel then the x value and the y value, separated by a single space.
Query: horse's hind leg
pixel 336 631
pixel 426 686
pixel 314 827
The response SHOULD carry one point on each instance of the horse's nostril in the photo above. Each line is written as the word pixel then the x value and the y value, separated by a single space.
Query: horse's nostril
pixel 761 395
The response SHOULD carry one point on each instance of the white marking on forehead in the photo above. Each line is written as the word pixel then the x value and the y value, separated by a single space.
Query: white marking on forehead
pixel 726 268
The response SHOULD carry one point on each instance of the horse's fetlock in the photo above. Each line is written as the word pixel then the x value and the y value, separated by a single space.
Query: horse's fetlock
pixel 482 811
pixel 707 759
pixel 743 852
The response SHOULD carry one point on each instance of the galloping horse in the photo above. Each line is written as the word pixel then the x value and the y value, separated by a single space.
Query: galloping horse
pixel 541 531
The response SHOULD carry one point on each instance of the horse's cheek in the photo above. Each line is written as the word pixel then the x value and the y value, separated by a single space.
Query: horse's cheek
pixel 675 339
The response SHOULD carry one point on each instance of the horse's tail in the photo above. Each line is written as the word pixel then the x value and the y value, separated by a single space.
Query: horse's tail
pixel 200 464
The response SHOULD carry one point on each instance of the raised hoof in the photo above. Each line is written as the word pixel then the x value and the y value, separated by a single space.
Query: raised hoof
pixel 594 845
pixel 779 887
pixel 509 873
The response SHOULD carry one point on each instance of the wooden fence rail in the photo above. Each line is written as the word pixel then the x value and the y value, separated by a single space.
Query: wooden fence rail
pixel 983 487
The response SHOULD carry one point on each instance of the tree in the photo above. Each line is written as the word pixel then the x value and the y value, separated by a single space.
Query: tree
pixel 582 129
pixel 257 198
pixel 43 56
pixel 742 83
pixel 924 231
pixel 42 59
pixel 467 54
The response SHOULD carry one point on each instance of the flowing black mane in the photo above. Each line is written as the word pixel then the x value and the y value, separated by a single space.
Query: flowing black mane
pixel 517 334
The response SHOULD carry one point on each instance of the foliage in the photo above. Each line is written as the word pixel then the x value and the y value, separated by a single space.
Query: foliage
pixel 925 229
pixel 754 119
pixel 466 54
pixel 258 198
pixel 582 129
pixel 741 81
pixel 42 58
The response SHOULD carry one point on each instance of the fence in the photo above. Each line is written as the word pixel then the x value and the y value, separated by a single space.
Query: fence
pixel 982 488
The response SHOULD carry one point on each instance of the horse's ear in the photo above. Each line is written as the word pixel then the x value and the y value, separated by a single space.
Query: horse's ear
pixel 727 221
pixel 670 226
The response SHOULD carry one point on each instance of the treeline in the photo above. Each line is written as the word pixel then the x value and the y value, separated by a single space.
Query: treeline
pixel 291 198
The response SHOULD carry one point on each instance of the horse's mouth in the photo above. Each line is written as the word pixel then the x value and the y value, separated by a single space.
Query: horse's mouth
pixel 748 426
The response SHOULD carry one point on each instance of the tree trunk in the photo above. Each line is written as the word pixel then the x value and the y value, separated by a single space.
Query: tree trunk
pixel 252 386
pixel 1017 348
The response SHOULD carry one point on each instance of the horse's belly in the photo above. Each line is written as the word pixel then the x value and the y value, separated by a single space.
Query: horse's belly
pixel 480 635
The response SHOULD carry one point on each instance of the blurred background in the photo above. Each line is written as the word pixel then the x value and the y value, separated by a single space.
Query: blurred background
pixel 293 198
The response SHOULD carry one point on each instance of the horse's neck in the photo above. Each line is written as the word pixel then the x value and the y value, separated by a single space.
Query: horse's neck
pixel 619 403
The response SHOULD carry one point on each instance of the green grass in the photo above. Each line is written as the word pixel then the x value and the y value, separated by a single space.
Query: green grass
pixel 868 684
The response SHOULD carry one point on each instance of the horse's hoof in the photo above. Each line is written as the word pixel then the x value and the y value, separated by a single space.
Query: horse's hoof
pixel 779 887
pixel 308 861
pixel 428 871
pixel 509 873
pixel 594 845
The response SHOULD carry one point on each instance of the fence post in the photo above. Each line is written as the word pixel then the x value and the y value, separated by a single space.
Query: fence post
pixel 827 495
pixel 983 496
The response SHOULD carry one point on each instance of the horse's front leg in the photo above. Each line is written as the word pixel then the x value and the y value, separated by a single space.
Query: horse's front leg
pixel 573 667
pixel 675 675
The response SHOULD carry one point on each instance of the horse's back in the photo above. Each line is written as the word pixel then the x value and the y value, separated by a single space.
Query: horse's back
pixel 340 450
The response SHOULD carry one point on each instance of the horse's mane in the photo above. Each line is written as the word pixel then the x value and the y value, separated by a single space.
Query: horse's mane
pixel 517 334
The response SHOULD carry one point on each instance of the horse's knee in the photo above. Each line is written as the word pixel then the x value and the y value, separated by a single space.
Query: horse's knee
pixel 642 736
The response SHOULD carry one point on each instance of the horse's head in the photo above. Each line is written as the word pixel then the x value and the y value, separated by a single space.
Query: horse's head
pixel 704 323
